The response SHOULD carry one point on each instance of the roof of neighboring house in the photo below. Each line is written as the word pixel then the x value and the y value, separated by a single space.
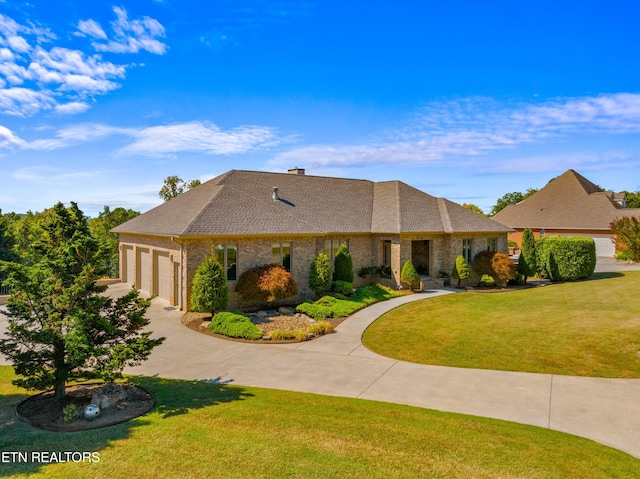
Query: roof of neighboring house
pixel 569 201
pixel 241 203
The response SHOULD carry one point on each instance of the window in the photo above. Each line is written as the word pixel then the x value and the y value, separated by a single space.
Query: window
pixel 492 244
pixel 331 247
pixel 227 255
pixel 281 254
pixel 467 249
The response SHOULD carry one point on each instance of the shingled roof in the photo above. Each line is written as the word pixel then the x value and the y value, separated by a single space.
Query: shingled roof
pixel 241 203
pixel 569 202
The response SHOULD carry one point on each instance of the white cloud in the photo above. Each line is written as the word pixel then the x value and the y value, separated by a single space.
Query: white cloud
pixel 476 126
pixel 130 36
pixel 72 108
pixel 34 78
pixel 8 139
pixel 92 28
pixel 199 137
pixel 46 175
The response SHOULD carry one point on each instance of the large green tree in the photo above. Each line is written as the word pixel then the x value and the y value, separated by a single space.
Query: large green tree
pixel 511 199
pixel 100 228
pixel 174 186
pixel 61 327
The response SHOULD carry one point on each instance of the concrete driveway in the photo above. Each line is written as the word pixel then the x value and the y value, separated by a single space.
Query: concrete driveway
pixel 605 410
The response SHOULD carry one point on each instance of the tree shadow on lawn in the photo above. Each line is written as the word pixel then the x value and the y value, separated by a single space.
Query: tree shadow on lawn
pixel 172 398
pixel 610 275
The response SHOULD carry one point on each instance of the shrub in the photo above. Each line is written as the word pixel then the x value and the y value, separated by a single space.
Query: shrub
pixel 567 259
pixel 331 307
pixel 409 275
pixel 342 287
pixel 268 282
pixel 460 270
pixel 343 266
pixel 320 273
pixel 503 268
pixel 234 325
pixel 320 328
pixel 627 232
pixel 482 262
pixel 528 262
pixel 71 413
pixel 282 334
pixel 371 272
pixel 210 292
pixel 486 280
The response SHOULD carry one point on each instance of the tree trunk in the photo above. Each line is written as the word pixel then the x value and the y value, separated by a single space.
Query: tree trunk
pixel 60 371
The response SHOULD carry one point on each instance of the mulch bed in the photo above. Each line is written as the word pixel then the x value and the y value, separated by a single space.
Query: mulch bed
pixel 43 412
pixel 195 322
pixel 515 287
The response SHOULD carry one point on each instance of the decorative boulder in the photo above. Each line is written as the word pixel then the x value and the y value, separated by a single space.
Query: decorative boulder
pixel 108 395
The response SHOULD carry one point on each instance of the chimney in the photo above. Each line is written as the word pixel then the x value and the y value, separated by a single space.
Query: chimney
pixel 296 171
pixel 275 194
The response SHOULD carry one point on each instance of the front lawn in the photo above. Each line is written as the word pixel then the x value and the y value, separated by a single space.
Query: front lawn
pixel 204 430
pixel 585 328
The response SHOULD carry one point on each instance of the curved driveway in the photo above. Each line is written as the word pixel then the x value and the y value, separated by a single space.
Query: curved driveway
pixel 605 410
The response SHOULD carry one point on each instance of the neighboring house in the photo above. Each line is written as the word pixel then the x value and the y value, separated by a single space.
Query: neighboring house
pixel 249 218
pixel 570 205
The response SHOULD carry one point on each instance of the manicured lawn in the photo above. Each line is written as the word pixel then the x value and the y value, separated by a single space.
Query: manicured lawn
pixel 201 430
pixel 587 328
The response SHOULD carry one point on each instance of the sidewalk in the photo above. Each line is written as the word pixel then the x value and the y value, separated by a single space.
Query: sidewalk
pixel 605 410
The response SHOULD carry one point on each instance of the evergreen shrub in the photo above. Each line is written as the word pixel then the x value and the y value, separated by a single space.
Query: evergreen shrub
pixel 567 259
pixel 234 325
pixel 343 265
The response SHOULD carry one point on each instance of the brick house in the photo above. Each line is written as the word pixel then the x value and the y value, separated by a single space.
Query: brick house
pixel 248 218
pixel 569 205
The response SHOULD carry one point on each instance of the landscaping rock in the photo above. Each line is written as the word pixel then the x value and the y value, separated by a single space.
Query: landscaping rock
pixel 108 396
pixel 284 311
pixel 262 314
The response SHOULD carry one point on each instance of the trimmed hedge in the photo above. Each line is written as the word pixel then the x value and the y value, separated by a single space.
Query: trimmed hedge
pixel 342 287
pixel 566 259
pixel 234 325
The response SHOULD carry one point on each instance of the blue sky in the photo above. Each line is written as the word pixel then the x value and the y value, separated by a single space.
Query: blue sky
pixel 99 101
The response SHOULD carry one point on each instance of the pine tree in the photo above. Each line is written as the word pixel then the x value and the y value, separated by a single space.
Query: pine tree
pixel 61 327
pixel 210 292
pixel 343 266
pixel 528 262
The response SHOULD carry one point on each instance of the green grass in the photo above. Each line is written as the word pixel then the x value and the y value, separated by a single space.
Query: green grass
pixel 203 430
pixel 586 328
pixel 338 306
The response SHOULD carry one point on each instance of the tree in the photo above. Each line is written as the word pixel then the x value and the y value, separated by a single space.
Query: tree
pixel 343 265
pixel 502 268
pixel 61 327
pixel 633 199
pixel 6 241
pixel 408 274
pixel 511 199
pixel 472 207
pixel 460 269
pixel 627 233
pixel 100 228
pixel 528 261
pixel 210 292
pixel 320 273
pixel 174 186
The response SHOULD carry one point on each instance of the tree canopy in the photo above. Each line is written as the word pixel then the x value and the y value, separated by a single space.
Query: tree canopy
pixel 511 199
pixel 174 186
pixel 61 327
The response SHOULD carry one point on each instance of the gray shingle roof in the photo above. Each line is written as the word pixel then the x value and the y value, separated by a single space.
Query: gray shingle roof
pixel 568 202
pixel 241 203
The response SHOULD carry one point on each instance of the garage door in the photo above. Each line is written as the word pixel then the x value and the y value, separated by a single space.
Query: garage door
pixel 144 270
pixel 163 268
pixel 129 265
